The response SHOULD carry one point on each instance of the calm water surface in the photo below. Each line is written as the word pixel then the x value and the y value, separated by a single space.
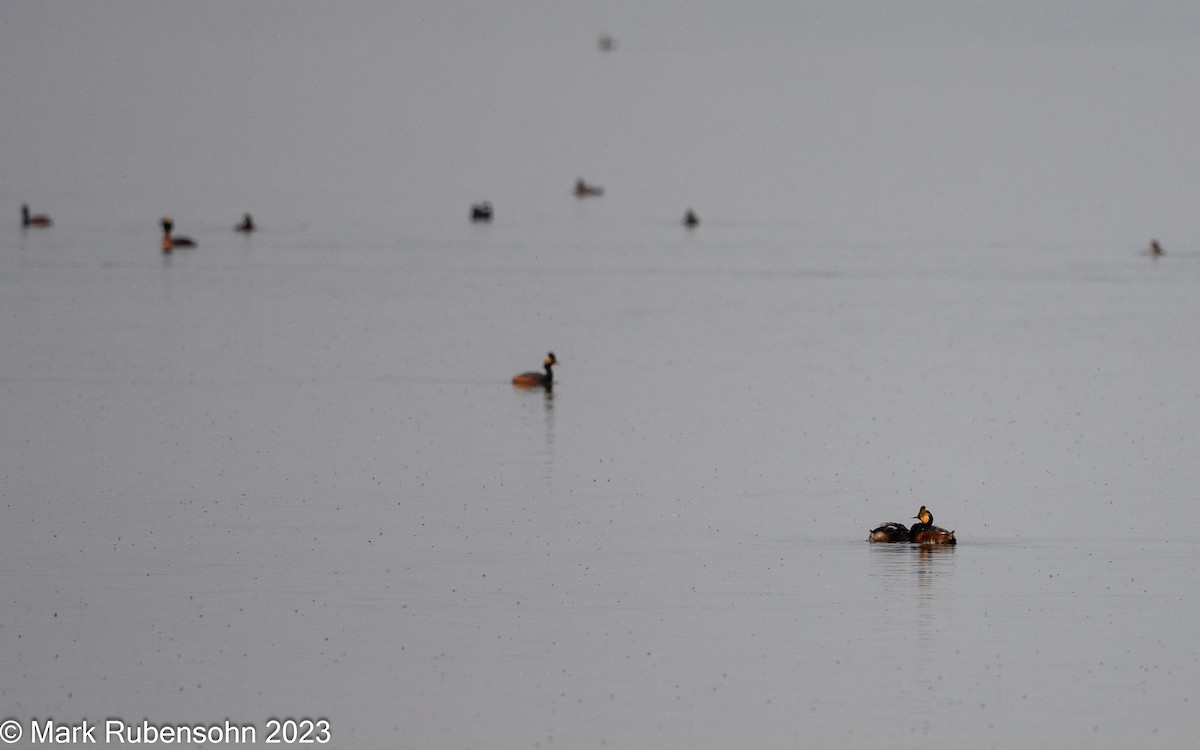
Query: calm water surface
pixel 287 474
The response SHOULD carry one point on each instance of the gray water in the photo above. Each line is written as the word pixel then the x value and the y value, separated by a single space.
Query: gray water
pixel 287 475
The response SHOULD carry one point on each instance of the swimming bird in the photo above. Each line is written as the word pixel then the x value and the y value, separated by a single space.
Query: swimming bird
pixel 247 225
pixel 40 220
pixel 889 532
pixel 583 190
pixel 481 211
pixel 690 219
pixel 1155 249
pixel 535 379
pixel 168 241
pixel 606 43
pixel 924 532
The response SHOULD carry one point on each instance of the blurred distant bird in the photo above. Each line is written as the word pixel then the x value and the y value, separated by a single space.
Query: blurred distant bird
pixel 690 219
pixel 583 190
pixel 481 211
pixel 606 43
pixel 247 225
pixel 168 241
pixel 1155 249
pixel 40 220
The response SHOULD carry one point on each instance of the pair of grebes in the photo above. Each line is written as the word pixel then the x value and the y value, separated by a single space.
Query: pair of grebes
pixel 170 241
pixel 922 532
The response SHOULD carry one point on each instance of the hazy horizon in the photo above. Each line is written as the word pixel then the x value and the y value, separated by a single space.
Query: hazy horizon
pixel 1072 122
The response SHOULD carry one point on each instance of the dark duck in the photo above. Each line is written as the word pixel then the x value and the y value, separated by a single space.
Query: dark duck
pixel 538 379
pixel 481 211
pixel 584 190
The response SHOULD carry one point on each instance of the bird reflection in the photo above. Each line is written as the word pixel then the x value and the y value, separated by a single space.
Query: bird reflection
pixel 548 410
pixel 900 566
pixel 530 428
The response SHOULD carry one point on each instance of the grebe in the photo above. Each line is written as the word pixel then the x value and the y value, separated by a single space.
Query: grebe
pixel 583 190
pixel 168 241
pixel 889 532
pixel 690 219
pixel 536 379
pixel 40 220
pixel 924 532
pixel 481 211
pixel 247 225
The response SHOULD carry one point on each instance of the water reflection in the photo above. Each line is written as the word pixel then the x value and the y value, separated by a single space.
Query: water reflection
pixel 548 410
pixel 545 394
pixel 548 456
pixel 915 583
pixel 915 568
